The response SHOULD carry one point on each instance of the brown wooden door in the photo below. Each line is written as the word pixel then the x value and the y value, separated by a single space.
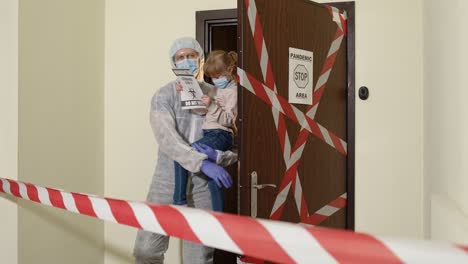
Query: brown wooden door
pixel 313 188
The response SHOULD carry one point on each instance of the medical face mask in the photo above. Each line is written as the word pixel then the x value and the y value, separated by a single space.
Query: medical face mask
pixel 221 82
pixel 191 64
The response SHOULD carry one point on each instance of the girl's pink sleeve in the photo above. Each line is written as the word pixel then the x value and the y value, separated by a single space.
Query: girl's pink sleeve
pixel 225 116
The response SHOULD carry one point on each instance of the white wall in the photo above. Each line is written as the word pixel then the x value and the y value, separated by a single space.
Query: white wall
pixel 61 127
pixel 389 125
pixel 9 126
pixel 138 36
pixel 445 119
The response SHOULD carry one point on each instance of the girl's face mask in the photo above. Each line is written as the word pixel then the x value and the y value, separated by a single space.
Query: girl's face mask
pixel 221 82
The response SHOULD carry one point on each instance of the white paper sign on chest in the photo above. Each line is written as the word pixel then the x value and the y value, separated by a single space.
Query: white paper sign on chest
pixel 191 94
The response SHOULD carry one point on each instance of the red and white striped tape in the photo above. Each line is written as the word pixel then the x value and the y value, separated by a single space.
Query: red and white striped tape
pixel 264 239
pixel 290 111
pixel 267 72
pixel 325 212
pixel 292 157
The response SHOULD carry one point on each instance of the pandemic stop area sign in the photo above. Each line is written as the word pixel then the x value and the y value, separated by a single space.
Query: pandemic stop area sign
pixel 300 76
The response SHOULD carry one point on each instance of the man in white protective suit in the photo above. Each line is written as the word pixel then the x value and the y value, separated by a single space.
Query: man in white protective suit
pixel 175 129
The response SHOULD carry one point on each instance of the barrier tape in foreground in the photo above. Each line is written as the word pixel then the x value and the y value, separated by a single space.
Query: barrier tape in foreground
pixel 270 240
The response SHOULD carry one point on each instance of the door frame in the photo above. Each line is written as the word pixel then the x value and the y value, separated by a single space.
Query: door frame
pixel 208 19
pixel 205 22
pixel 349 7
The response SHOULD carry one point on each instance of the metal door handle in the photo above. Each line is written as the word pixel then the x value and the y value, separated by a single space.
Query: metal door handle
pixel 253 192
pixel 261 186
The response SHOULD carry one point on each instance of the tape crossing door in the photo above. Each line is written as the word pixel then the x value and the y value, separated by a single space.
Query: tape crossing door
pixel 307 165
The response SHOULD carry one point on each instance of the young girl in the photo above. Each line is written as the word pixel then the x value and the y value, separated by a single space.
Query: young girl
pixel 219 125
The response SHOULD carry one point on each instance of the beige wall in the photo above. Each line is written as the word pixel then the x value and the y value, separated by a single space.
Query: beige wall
pixel 389 125
pixel 61 84
pixel 446 126
pixel 9 126
pixel 138 36
pixel 61 116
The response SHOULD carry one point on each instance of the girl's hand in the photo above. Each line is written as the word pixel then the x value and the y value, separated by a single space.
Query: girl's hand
pixel 179 87
pixel 220 101
pixel 206 100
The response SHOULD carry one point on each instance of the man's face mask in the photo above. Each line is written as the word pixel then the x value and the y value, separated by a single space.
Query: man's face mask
pixel 187 59
pixel 191 64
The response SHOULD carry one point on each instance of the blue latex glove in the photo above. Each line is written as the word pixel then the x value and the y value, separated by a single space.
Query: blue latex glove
pixel 205 149
pixel 217 173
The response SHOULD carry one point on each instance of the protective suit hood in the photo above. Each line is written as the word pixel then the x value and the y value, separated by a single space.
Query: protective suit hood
pixel 188 43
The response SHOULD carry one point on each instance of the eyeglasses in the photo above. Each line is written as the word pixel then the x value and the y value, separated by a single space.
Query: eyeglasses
pixel 183 56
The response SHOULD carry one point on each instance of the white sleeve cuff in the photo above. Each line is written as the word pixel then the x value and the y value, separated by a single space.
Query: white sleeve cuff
pixel 218 157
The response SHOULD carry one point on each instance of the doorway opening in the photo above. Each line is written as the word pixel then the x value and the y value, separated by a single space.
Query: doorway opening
pixel 217 30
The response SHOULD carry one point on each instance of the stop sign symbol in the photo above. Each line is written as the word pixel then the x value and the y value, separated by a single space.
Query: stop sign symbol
pixel 301 76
